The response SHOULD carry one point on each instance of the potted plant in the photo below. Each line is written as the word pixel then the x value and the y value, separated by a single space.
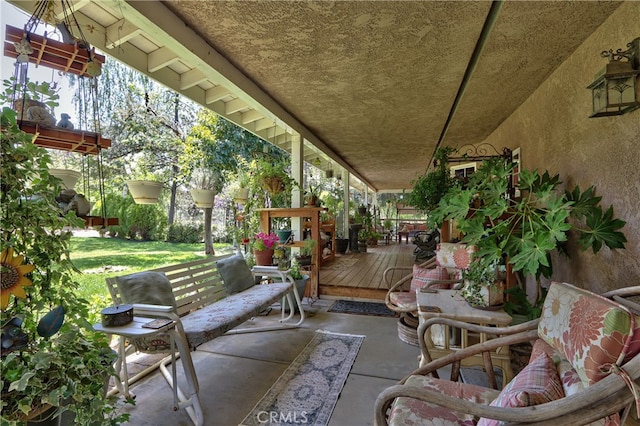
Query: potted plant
pixel 263 247
pixel 428 189
pixel 483 284
pixel 300 279
pixel 306 252
pixel 311 195
pixel 145 191
pixel 273 176
pixel 363 238
pixel 54 360
pixel 526 230
pixel 281 258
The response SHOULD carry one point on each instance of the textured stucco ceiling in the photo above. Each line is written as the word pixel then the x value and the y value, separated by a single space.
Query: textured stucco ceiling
pixel 376 80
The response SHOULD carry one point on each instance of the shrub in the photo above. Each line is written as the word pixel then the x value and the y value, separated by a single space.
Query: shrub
pixel 181 233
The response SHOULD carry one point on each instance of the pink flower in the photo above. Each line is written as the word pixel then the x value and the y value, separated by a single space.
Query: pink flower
pixel 264 241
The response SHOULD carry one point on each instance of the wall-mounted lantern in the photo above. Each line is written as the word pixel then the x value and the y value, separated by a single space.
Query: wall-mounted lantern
pixel 616 89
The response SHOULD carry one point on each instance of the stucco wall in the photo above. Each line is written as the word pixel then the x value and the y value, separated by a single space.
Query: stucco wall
pixel 554 132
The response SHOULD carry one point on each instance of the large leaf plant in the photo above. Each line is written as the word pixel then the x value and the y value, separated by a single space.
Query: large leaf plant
pixel 527 229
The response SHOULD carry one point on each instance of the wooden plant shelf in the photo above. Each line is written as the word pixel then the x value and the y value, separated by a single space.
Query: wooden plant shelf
pixel 68 58
pixel 65 140
pixel 100 221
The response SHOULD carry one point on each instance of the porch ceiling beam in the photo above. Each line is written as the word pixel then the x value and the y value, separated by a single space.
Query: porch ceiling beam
pixel 251 116
pixel 160 58
pixel 265 123
pixel 120 32
pixel 70 8
pixel 234 106
pixel 191 78
pixel 215 94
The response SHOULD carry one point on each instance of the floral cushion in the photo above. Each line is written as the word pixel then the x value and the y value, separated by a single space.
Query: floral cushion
pixel 214 320
pixel 454 255
pixel 406 300
pixel 410 411
pixel 537 383
pixel 590 331
pixel 424 276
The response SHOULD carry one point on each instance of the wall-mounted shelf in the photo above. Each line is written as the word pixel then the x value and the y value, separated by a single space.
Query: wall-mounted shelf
pixel 68 58
pixel 65 140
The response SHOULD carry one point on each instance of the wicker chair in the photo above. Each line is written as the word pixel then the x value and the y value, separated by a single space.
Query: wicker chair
pixel 441 271
pixel 583 364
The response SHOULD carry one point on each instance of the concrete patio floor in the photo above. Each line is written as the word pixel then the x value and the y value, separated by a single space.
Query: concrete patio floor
pixel 235 371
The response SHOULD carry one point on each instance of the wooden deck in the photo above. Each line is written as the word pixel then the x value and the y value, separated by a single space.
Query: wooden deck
pixel 359 275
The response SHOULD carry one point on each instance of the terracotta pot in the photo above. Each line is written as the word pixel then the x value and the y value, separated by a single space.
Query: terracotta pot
pixel 203 198
pixel 145 191
pixel 263 257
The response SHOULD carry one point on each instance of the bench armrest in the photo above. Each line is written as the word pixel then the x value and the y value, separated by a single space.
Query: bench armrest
pixel 138 307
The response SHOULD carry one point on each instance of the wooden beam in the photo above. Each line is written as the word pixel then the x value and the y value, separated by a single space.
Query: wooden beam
pixel 265 123
pixel 251 116
pixel 215 94
pixel 120 32
pixel 191 78
pixel 160 58
pixel 235 106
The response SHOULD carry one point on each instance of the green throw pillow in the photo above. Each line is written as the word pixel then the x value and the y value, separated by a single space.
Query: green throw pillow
pixel 235 273
pixel 152 288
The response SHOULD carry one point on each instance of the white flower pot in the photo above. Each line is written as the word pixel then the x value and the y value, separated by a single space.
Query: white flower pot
pixel 69 177
pixel 203 198
pixel 145 191
pixel 241 195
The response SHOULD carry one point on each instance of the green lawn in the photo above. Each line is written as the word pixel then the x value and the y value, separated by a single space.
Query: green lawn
pixel 99 258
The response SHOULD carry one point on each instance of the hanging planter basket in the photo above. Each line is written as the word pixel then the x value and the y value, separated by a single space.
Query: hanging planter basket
pixel 203 198
pixel 273 185
pixel 241 195
pixel 145 191
pixel 69 177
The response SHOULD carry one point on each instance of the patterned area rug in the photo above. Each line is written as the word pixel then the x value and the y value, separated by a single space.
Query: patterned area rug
pixel 343 262
pixel 361 308
pixel 308 390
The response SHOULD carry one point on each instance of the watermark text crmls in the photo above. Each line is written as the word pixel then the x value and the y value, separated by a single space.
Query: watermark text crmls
pixel 291 417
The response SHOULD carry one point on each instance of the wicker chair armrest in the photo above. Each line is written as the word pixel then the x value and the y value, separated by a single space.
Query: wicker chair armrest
pixel 516 334
pixel 583 407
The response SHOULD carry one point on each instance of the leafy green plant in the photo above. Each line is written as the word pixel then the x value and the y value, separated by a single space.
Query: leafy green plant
pixel 66 369
pixel 308 245
pixel 478 276
pixel 528 229
pixel 428 189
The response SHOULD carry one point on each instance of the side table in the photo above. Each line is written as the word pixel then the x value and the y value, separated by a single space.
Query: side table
pixel 441 339
pixel 178 343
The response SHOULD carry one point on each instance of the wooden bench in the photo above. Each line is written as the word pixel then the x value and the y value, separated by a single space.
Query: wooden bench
pixel 204 311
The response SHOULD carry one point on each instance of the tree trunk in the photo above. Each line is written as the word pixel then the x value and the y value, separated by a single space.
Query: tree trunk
pixel 172 204
pixel 208 238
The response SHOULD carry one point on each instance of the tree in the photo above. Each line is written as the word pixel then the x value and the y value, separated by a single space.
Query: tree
pixel 216 147
pixel 148 125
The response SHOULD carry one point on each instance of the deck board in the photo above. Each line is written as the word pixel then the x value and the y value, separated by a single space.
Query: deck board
pixel 363 279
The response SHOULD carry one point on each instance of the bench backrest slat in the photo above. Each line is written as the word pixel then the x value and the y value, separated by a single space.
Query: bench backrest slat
pixel 195 284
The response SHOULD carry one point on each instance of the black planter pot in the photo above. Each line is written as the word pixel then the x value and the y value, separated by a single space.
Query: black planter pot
pixel 342 244
pixel 353 236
